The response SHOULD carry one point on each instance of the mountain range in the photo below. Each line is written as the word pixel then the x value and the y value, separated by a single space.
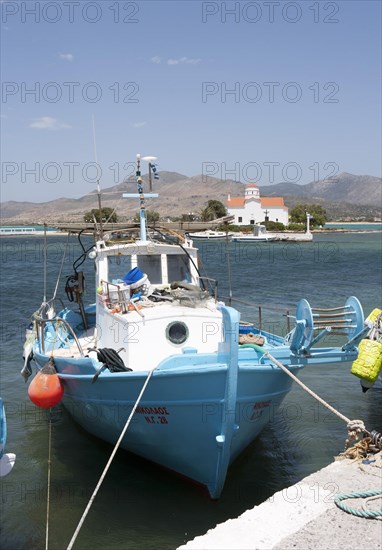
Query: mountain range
pixel 345 195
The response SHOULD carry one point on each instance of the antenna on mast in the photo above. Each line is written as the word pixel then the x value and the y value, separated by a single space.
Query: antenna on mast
pixel 151 168
pixel 141 196
pixel 98 185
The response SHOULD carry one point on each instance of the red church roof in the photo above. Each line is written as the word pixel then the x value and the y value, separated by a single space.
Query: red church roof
pixel 235 202
pixel 272 201
pixel 266 202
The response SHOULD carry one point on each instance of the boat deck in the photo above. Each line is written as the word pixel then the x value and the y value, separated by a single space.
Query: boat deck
pixel 87 341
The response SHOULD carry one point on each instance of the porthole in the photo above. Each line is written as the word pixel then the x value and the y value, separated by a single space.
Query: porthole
pixel 177 332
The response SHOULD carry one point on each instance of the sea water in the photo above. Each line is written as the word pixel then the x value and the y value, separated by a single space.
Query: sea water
pixel 142 506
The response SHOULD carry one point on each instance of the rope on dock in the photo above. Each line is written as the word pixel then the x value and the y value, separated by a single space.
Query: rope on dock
pixel 73 539
pixel 365 513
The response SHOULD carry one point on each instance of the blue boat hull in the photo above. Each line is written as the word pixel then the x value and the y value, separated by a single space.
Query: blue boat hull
pixel 7 460
pixel 184 421
pixel 198 411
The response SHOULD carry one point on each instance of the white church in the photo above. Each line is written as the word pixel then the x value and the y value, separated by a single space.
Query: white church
pixel 252 209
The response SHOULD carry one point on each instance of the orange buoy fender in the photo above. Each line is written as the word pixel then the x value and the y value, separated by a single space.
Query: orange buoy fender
pixel 46 389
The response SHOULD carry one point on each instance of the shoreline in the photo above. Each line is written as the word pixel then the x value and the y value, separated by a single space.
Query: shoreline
pixel 328 231
pixel 306 515
pixel 342 230
pixel 36 234
pixel 355 223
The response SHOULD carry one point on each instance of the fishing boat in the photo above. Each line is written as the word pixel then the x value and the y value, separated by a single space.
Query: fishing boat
pixel 259 235
pixel 7 460
pixel 157 345
pixel 210 234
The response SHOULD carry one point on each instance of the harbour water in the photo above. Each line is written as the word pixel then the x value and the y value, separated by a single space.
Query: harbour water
pixel 141 506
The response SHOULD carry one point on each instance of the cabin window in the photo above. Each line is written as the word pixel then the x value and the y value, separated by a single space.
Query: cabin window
pixel 118 266
pixel 178 268
pixel 151 265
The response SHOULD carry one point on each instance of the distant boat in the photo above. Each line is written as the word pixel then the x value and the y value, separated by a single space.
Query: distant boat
pixel 7 460
pixel 211 235
pixel 258 235
pixel 160 345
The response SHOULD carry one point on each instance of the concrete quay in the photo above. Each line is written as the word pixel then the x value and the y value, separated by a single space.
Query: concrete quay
pixel 305 517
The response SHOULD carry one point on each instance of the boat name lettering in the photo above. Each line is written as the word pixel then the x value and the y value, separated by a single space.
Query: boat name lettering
pixel 152 410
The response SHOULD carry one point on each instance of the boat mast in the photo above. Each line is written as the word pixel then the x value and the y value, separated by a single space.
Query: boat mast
pixel 141 196
pixel 98 185
pixel 152 168
pixel 142 208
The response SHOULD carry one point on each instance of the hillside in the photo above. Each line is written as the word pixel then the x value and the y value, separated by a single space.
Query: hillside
pixel 362 190
pixel 347 195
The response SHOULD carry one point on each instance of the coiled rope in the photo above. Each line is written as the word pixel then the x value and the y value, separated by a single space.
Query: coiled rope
pixel 365 513
pixel 73 539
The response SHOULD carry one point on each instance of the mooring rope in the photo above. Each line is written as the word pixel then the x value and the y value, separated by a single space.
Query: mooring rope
pixel 73 539
pixel 356 512
pixel 48 484
pixel 354 427
pixel 370 499
pixel 61 267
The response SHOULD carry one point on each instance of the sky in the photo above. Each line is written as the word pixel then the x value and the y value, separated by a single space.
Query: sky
pixel 254 91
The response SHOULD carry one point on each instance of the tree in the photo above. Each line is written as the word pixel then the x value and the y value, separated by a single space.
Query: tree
pixel 190 217
pixel 317 212
pixel 274 226
pixel 151 216
pixel 108 215
pixel 213 210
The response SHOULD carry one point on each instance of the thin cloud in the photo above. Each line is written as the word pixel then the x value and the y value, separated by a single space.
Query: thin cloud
pixel 48 123
pixel 183 61
pixel 139 124
pixel 176 61
pixel 67 56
